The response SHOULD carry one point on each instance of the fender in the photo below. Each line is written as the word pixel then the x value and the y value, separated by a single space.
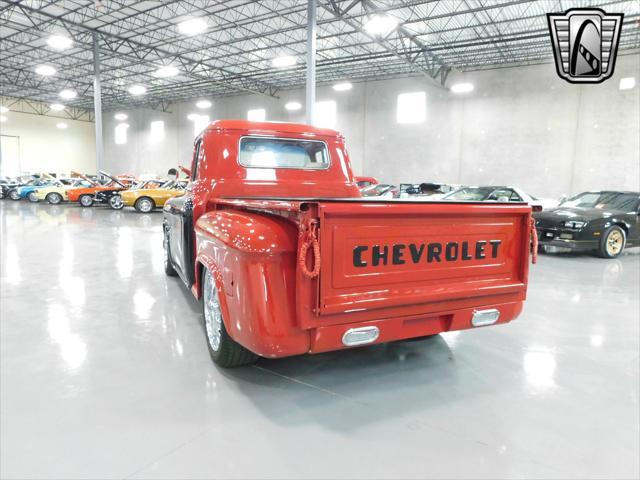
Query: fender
pixel 253 260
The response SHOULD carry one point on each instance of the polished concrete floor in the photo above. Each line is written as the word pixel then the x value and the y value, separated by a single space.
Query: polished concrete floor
pixel 105 374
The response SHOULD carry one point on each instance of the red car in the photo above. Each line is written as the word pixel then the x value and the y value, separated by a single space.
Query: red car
pixel 86 196
pixel 273 235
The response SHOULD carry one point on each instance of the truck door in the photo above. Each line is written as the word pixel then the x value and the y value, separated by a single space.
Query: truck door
pixel 181 240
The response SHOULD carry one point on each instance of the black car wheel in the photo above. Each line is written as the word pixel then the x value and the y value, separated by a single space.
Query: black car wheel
pixel 116 203
pixel 53 198
pixel 612 242
pixel 223 349
pixel 86 200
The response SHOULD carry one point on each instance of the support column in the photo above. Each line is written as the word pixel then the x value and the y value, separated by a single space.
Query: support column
pixel 97 103
pixel 311 62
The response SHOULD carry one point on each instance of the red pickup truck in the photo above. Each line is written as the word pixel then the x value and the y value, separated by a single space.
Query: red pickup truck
pixel 273 236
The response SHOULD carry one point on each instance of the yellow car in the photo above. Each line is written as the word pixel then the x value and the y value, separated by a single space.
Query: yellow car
pixel 57 191
pixel 146 199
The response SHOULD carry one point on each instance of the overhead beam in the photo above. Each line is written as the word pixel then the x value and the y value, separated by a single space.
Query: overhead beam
pixel 425 62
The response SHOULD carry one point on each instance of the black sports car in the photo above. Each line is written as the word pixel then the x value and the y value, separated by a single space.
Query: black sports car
pixel 605 222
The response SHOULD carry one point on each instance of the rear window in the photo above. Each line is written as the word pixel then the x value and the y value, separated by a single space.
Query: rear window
pixel 262 152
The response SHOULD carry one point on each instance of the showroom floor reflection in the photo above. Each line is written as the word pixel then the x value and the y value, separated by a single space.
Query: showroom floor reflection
pixel 105 369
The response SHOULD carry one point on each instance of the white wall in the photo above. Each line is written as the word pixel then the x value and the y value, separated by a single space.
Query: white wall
pixel 44 147
pixel 520 126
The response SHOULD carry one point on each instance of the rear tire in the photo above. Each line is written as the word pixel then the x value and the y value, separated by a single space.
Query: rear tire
pixel 169 270
pixel 116 203
pixel 32 197
pixel 612 242
pixel 144 205
pixel 14 195
pixel 53 198
pixel 86 200
pixel 224 351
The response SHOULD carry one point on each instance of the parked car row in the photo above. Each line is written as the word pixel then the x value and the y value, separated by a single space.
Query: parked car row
pixel 605 222
pixel 115 191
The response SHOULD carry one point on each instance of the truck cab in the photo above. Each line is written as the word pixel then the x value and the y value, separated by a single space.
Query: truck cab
pixel 273 235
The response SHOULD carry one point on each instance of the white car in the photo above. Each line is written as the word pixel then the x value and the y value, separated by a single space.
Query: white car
pixel 499 194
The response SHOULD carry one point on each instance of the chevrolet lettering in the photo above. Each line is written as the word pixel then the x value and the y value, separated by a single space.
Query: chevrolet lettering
pixel 401 254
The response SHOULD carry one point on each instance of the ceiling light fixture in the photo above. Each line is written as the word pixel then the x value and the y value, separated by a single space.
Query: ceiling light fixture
pixel 137 90
pixel 120 116
pixel 59 42
pixel 192 26
pixel 45 70
pixel 293 106
pixel 380 25
pixel 203 104
pixel 342 87
pixel 284 61
pixel 56 107
pixel 462 87
pixel 166 71
pixel 68 94
pixel 61 125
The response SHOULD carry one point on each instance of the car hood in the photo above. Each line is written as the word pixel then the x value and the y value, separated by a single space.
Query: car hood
pixel 562 214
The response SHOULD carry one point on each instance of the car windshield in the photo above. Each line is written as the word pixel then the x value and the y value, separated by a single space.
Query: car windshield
pixel 470 194
pixel 605 201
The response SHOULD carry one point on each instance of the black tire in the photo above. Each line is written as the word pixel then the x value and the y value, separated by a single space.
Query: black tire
pixel 168 263
pixel 116 203
pixel 144 205
pixel 85 200
pixel 612 242
pixel 53 198
pixel 32 197
pixel 14 195
pixel 226 352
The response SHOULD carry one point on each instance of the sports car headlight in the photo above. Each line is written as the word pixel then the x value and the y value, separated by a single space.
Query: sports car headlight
pixel 574 224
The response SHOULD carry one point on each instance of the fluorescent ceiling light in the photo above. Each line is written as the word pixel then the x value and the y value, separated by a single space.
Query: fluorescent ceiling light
pixel 61 125
pixel 203 104
pixel 462 87
pixel 381 25
pixel 3 109
pixel 3 119
pixel 56 107
pixel 192 26
pixel 342 87
pixel 166 71
pixel 59 42
pixel 193 117
pixel 627 83
pixel 284 61
pixel 45 70
pixel 137 89
pixel 68 94
pixel 293 106
pixel 120 116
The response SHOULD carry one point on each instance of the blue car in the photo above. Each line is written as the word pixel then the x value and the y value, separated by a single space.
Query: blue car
pixel 25 190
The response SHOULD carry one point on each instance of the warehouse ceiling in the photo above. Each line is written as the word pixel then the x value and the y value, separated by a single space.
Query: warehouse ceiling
pixel 235 53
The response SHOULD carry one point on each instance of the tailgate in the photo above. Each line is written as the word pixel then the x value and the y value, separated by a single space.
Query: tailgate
pixel 381 255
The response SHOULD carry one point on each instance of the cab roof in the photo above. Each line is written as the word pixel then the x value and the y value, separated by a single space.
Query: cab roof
pixel 272 127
